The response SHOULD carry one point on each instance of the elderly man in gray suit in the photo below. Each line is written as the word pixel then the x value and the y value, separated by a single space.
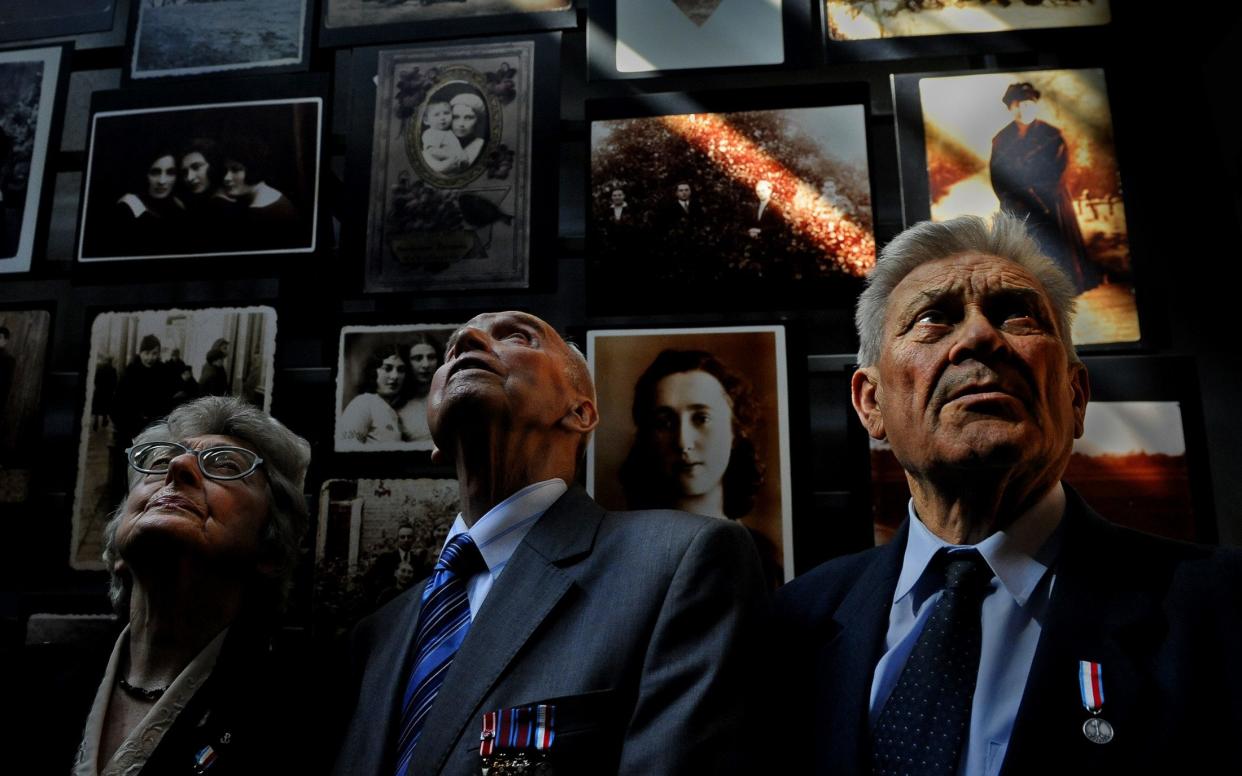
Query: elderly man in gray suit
pixel 552 633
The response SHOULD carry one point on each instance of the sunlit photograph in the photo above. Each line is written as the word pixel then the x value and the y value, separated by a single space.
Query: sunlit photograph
pixel 873 19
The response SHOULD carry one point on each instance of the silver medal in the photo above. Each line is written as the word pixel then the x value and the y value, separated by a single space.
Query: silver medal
pixel 1097 730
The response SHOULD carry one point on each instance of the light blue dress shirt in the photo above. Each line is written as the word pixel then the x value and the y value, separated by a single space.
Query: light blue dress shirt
pixel 1021 557
pixel 498 533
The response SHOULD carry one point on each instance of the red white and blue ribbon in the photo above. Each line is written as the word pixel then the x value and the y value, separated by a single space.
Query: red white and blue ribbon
pixel 204 759
pixel 1091 685
pixel 517 729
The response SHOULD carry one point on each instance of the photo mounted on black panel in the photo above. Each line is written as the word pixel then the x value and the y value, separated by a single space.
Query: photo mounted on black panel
pixel 375 539
pixel 193 37
pixel 698 420
pixel 655 35
pixel 142 365
pixel 31 19
pixel 202 180
pixel 450 168
pixel 383 377
pixel 23 353
pixel 872 19
pixel 28 80
pixel 756 203
pixel 365 13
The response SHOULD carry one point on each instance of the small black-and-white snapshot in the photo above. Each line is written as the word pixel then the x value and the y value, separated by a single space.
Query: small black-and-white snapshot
pixel 142 365
pixel 383 377
pixel 202 180
pixel 375 539
pixel 23 354
pixel 194 37
pixel 28 81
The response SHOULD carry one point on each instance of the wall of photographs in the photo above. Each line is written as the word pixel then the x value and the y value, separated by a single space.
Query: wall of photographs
pixel 286 200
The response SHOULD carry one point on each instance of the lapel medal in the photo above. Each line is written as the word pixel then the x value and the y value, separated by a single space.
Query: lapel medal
pixel 1091 686
pixel 518 741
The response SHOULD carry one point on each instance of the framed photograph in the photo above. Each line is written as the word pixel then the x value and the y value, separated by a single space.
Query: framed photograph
pixel 869 30
pixel 375 539
pixel 32 19
pixel 142 365
pixel 764 199
pixel 1141 461
pixel 24 338
pixel 698 420
pixel 453 142
pixel 646 38
pixel 354 22
pixel 32 89
pixel 382 380
pixel 168 178
pixel 1038 144
pixel 199 38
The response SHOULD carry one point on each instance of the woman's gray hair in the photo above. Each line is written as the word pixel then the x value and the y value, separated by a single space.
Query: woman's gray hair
pixel 1006 236
pixel 286 457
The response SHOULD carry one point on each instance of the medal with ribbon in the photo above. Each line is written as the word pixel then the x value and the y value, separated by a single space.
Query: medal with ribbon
pixel 1091 687
pixel 518 740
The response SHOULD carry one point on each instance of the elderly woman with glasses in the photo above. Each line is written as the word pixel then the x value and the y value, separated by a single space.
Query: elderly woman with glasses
pixel 202 552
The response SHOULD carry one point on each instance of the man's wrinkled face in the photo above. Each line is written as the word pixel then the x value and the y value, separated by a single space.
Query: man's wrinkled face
pixel 973 372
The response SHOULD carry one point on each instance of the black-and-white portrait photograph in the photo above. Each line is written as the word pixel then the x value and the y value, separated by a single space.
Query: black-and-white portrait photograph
pixel 697 420
pixel 375 539
pixel 383 377
pixel 28 86
pixel 356 13
pixel 194 37
pixel 23 355
pixel 450 168
pixel 202 180
pixel 142 365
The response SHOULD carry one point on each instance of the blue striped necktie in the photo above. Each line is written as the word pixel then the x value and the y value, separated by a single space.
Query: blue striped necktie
pixel 442 625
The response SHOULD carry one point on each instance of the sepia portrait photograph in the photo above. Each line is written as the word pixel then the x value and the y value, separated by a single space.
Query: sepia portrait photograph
pixel 696 420
pixel 1038 144
pixel 383 378
pixel 1130 464
pixel 375 539
pixel 222 179
pixel 765 204
pixel 144 364
pixel 24 338
pixel 872 19
pixel 195 37
pixel 655 35
pixel 450 192
pixel 29 82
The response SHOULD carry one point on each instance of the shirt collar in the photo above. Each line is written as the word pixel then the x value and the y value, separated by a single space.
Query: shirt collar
pixel 498 533
pixel 1019 555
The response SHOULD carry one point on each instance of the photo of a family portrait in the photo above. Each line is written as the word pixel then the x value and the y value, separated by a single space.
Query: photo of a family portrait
pixel 872 19
pixel 234 178
pixel 1038 144
pixel 195 37
pixel 23 354
pixel 28 93
pixel 383 378
pixel 766 204
pixel 144 364
pixel 449 204
pixel 697 420
pixel 375 538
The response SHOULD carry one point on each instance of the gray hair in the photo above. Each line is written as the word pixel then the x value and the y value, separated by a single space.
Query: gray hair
pixel 1005 237
pixel 286 457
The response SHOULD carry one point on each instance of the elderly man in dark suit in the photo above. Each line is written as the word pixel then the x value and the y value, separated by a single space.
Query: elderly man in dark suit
pixel 1007 628
pixel 610 642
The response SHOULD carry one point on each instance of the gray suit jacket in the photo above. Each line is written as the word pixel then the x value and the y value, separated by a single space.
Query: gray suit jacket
pixel 638 625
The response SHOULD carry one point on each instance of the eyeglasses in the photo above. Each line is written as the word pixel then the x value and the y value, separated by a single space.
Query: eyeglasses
pixel 217 463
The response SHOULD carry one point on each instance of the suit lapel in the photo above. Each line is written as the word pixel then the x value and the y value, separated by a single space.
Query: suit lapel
pixel 527 591
pixel 1094 614
pixel 850 657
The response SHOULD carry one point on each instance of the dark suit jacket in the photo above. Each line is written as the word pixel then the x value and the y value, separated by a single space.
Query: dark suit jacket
pixel 636 624
pixel 1163 618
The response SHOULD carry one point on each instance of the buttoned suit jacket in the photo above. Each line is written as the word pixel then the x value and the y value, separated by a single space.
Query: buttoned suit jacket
pixel 1163 618
pixel 635 624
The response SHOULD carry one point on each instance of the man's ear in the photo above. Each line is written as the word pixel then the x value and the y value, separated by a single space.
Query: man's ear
pixel 582 417
pixel 1080 394
pixel 865 394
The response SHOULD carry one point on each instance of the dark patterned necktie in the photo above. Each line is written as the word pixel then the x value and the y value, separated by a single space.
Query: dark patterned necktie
pixel 442 625
pixel 922 726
